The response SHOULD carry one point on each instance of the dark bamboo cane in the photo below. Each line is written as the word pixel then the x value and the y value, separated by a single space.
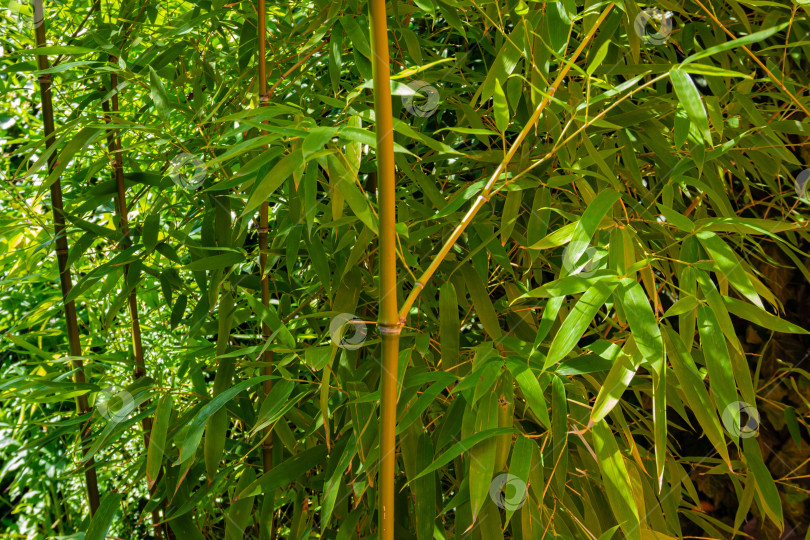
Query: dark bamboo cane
pixel 91 481
pixel 114 147
pixel 389 322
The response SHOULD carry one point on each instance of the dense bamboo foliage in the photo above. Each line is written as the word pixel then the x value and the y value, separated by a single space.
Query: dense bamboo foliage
pixel 408 269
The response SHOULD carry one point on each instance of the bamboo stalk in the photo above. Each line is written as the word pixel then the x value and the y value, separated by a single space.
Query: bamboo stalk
pixel 114 147
pixel 389 321
pixel 267 444
pixel 487 190
pixel 74 342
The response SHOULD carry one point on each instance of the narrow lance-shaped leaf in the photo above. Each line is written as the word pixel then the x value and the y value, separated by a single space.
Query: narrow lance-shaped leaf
pixel 157 439
pixel 689 97
pixel 616 480
pixel 103 517
pixel 577 322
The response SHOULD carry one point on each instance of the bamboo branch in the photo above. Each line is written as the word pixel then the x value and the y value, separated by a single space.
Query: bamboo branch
pixel 264 94
pixel 74 342
pixel 764 68
pixel 389 321
pixel 487 190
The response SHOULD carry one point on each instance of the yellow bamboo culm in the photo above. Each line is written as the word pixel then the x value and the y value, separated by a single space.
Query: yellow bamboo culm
pixel 389 323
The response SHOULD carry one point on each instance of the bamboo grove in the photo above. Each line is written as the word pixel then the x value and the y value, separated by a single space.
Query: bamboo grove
pixel 418 269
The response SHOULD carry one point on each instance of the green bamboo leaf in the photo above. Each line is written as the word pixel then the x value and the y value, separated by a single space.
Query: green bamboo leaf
pixel 178 310
pixel 460 447
pixel 316 139
pixel 559 434
pixel 151 226
pixel 482 302
pixel 273 180
pixel 616 480
pixel 158 94
pixel 285 472
pixel 274 402
pixel 729 265
pixel 739 42
pixel 616 382
pixel 269 315
pixel 642 322
pixel 588 224
pixel 767 493
pixel 577 322
pixel 424 490
pixel 761 317
pixel 197 424
pixel 550 312
pixel 694 391
pixel 532 391
pixel 339 462
pixel 215 262
pixel 345 185
pixel 184 527
pixel 501 107
pixel 356 35
pixel 411 413
pixel 449 326
pixel 519 467
pixel 689 98
pixel 157 439
pixel 660 423
pixel 718 361
pixel 348 527
pixel 599 57
pixel 482 455
pixel 239 513
pixel 718 307
pixel 505 394
pixel 792 424
pixel 103 517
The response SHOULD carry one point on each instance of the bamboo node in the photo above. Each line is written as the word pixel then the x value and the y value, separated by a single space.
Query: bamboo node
pixel 391 329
